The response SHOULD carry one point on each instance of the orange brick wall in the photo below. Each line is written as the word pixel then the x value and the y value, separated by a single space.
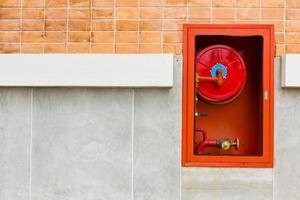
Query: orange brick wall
pixel 133 26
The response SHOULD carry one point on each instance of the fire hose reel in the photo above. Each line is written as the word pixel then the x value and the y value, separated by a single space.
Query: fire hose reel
pixel 220 74
pixel 220 78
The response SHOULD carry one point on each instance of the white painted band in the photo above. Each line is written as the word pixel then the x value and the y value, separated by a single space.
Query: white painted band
pixel 86 70
pixel 290 74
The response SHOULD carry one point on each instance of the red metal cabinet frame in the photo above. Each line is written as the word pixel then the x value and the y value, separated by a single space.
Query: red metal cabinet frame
pixel 189 159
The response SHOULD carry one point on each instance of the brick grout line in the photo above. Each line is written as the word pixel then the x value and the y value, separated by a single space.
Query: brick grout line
pixel 284 27
pixel 259 17
pixel 132 147
pixel 67 29
pixel 211 11
pixel 114 25
pixel 138 25
pixel 91 24
pixel 30 145
pixel 162 31
pixel 21 26
pixel 235 12
pixel 187 12
pixel 44 27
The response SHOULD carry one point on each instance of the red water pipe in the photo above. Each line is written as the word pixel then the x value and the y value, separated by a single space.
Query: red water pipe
pixel 219 79
pixel 221 143
pixel 205 142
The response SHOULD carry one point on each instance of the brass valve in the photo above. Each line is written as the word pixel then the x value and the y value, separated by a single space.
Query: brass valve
pixel 226 144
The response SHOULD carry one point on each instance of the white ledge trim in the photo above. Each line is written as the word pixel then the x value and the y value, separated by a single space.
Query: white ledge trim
pixel 86 70
pixel 290 70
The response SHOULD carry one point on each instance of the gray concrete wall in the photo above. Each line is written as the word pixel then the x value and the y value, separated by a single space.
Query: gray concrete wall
pixel 121 144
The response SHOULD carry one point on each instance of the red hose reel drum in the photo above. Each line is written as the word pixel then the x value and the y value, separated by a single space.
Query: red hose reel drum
pixel 222 58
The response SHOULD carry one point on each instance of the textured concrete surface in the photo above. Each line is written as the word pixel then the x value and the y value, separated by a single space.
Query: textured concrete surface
pixel 81 144
pixel 287 142
pixel 94 144
pixel 227 183
pixel 14 143
pixel 230 194
pixel 157 141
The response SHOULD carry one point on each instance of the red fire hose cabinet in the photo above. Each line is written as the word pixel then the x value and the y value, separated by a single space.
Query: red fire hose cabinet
pixel 228 95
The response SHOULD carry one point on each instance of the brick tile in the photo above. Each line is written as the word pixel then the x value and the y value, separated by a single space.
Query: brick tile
pixel 273 3
pixel 293 48
pixel 150 37
pixel 103 3
pixel 272 13
pixel 10 3
pixel 36 13
pixel 56 14
pixel 78 48
pixel 199 21
pixel 102 13
pixel 223 13
pixel 79 25
pixel 102 48
pixel 126 12
pixel 277 24
pixel 9 25
pixel 150 3
pixel 33 3
pixel 33 25
pixel 172 48
pixel 247 13
pixel 79 3
pixel 279 39
pixel 55 37
pixel 55 48
pixel 56 25
pixel 204 3
pixel 150 12
pixel 56 3
pixel 175 13
pixel 126 37
pixel 9 36
pixel 224 3
pixel 248 3
pixel 279 49
pixel 199 13
pixel 293 26
pixel 293 3
pixel 102 25
pixel 223 21
pixel 32 37
pixel 292 14
pixel 175 2
pixel 9 48
pixel 150 25
pixel 126 3
pixel 292 38
pixel 150 48
pixel 126 25
pixel 10 13
pixel 81 36
pixel 102 37
pixel 173 25
pixel 77 13
pixel 32 48
pixel 247 22
pixel 172 37
pixel 126 48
